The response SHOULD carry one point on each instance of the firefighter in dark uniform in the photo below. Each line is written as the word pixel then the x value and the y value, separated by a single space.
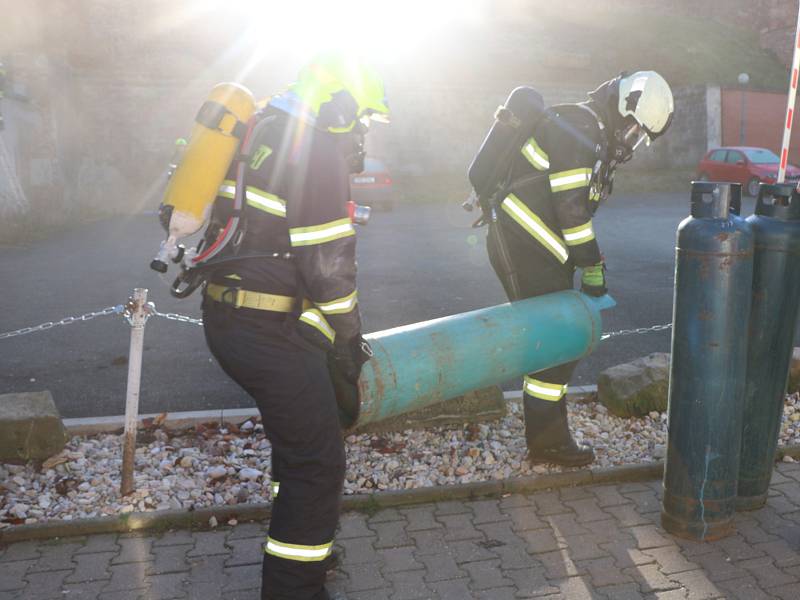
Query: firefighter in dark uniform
pixel 276 319
pixel 546 230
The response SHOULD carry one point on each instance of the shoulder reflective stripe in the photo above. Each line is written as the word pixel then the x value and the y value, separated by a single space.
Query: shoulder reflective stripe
pixel 233 276
pixel 314 318
pixel 535 226
pixel 265 201
pixel 570 180
pixel 339 306
pixel 578 235
pixel 298 552
pixel 543 390
pixel 319 234
pixel 259 156
pixel 535 155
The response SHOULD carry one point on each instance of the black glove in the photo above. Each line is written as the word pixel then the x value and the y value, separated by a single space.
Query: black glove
pixel 351 356
pixel 593 280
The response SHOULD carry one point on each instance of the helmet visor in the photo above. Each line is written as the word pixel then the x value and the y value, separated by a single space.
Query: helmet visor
pixel 633 136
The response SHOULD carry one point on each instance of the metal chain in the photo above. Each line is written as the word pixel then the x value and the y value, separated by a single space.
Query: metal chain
pixel 664 327
pixel 111 310
pixel 124 308
pixel 173 316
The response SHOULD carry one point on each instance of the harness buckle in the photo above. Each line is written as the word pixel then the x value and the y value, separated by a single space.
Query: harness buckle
pixel 232 297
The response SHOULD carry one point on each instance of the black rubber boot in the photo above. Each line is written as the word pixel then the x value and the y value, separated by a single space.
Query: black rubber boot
pixel 548 436
pixel 332 562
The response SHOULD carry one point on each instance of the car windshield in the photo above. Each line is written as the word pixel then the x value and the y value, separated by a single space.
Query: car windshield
pixel 373 165
pixel 762 156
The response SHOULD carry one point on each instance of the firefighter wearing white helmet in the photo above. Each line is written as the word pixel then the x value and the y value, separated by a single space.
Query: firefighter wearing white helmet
pixel 280 303
pixel 543 231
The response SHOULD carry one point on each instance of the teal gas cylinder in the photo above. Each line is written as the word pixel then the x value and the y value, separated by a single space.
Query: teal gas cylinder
pixel 713 279
pixel 421 364
pixel 776 292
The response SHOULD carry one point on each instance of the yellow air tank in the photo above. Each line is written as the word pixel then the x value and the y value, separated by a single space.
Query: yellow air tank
pixel 215 138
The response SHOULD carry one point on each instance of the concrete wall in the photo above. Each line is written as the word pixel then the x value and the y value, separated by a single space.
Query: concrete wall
pixel 111 84
pixel 103 144
pixel 687 138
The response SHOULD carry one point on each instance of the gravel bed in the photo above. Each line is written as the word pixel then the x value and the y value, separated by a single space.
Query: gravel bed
pixel 208 465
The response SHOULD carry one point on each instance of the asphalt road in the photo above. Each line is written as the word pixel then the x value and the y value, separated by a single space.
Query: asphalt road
pixel 415 263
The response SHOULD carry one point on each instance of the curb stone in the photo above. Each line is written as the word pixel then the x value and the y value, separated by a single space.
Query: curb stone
pixel 199 518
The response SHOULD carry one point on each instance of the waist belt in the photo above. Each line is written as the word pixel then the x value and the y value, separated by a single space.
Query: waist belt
pixel 239 298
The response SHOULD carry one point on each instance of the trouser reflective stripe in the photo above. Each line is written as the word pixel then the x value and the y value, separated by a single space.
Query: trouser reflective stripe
pixel 543 390
pixel 298 552
pixel 274 488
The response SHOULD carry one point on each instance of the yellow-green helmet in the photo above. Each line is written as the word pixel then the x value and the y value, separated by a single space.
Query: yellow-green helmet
pixel 330 74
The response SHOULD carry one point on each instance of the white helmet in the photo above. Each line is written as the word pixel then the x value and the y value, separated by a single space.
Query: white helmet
pixel 647 97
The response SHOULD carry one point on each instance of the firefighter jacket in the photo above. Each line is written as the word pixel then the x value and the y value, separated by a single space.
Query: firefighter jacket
pixel 297 238
pixel 561 174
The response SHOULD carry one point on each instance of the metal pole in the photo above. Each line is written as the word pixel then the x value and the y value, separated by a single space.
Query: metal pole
pixel 787 131
pixel 137 316
pixel 742 110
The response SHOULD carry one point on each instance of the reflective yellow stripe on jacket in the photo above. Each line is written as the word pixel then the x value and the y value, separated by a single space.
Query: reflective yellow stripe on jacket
pixel 536 388
pixel 298 552
pixel 523 215
pixel 319 234
pixel 570 180
pixel 339 306
pixel 314 318
pixel 535 155
pixel 255 197
pixel 575 236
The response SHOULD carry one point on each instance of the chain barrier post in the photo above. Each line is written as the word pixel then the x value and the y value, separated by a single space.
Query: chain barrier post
pixel 137 313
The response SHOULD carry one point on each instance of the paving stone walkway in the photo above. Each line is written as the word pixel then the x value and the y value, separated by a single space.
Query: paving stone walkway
pixel 601 541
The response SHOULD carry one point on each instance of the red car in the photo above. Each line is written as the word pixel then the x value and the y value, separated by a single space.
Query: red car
pixel 745 165
pixel 373 186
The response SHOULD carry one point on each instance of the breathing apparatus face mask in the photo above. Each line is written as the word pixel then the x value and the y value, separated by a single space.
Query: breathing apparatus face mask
pixel 627 139
pixel 353 146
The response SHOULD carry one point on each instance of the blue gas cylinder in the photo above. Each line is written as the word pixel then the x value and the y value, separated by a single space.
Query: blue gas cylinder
pixel 776 295
pixel 713 278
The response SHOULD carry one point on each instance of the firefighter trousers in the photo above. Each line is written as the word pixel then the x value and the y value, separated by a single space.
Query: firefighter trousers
pixel 288 379
pixel 544 392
